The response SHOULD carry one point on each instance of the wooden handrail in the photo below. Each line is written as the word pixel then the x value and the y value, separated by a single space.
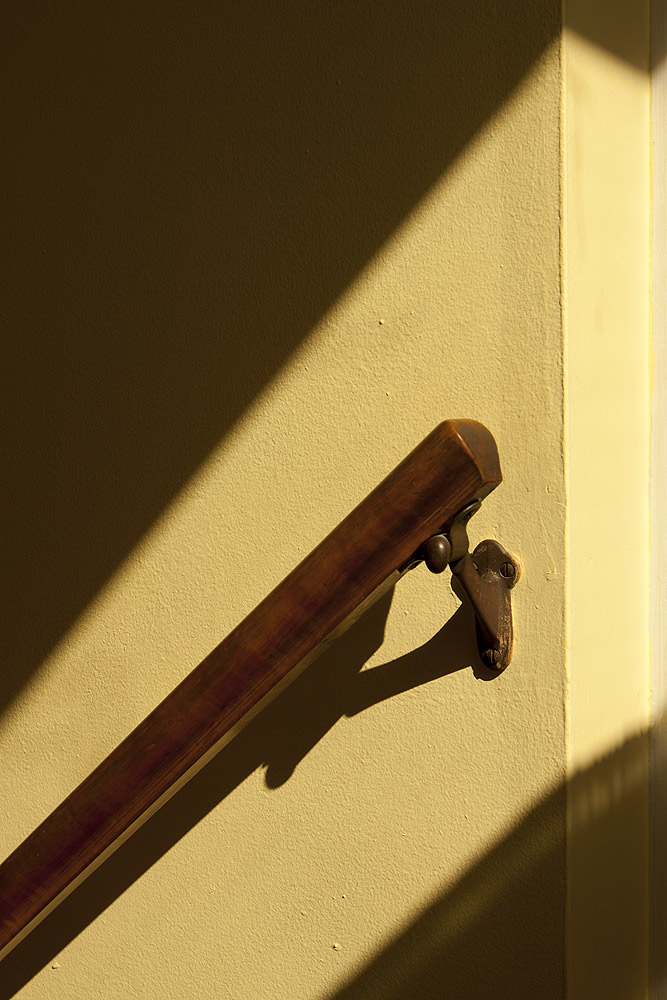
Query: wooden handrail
pixel 456 464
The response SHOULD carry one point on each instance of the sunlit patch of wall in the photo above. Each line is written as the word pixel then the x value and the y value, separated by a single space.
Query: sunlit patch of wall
pixel 342 824
pixel 606 260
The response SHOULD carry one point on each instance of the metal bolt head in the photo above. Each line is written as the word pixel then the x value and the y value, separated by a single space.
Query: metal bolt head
pixel 491 657
pixel 436 553
pixel 508 570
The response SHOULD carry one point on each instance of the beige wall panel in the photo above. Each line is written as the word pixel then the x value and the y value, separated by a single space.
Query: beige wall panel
pixel 606 257
pixel 393 825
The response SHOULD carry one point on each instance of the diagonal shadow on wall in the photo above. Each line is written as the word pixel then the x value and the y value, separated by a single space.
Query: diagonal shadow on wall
pixel 191 187
pixel 499 931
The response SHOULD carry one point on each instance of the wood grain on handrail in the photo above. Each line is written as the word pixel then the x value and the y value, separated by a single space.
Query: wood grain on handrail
pixel 456 464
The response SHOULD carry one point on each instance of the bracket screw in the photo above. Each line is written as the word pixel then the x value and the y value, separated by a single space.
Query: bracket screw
pixel 491 657
pixel 508 570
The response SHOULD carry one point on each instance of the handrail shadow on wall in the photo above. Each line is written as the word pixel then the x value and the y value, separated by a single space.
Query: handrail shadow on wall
pixel 356 565
pixel 277 740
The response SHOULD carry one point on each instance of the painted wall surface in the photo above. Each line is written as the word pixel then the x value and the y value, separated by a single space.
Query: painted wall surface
pixel 658 785
pixel 606 320
pixel 257 258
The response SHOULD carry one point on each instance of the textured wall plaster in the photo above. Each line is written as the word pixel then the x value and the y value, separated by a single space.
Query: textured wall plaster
pixel 371 830
pixel 607 281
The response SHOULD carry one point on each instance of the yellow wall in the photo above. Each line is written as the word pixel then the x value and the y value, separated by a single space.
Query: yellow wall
pixel 606 322
pixel 259 258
